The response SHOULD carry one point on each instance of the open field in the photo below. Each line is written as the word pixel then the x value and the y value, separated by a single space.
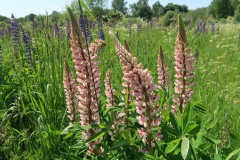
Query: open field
pixel 33 112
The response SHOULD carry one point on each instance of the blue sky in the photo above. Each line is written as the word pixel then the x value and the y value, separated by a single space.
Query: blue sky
pixel 21 8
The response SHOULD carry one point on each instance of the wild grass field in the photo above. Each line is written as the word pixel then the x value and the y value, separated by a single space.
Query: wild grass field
pixel 34 121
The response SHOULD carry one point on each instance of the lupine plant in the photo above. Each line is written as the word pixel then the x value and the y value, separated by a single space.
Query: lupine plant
pixel 139 123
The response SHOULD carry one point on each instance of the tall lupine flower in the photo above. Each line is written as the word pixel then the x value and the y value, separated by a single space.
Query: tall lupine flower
pixel 109 90
pixel 138 29
pixel 71 93
pixel 80 23
pixel 117 35
pixel 68 28
pixel 101 35
pixel 27 43
pixel 184 70
pixel 1 34
pixel 34 24
pixel 118 117
pixel 213 27
pixel 87 70
pixel 15 36
pixel 129 28
pixel 143 89
pixel 88 33
pixel 99 24
pixel 163 71
pixel 56 30
pixel 1 64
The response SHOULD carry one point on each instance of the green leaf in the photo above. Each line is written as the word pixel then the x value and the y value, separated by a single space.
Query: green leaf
pixel 213 141
pixel 174 122
pixel 199 108
pixel 86 8
pixel 78 145
pixel 146 156
pixel 172 131
pixel 192 129
pixel 193 152
pixel 185 149
pixel 171 147
pixel 197 140
pixel 187 115
pixel 119 144
pixel 96 136
pixel 217 157
pixel 68 135
pixel 211 125
pixel 236 151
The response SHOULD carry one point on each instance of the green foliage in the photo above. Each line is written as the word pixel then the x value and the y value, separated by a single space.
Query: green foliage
pixel 119 6
pixel 141 9
pixel 157 9
pixel 173 7
pixel 222 8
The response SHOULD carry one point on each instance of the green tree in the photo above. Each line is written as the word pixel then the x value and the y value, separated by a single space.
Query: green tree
pixel 96 3
pixel 157 9
pixel 141 9
pixel 119 6
pixel 222 8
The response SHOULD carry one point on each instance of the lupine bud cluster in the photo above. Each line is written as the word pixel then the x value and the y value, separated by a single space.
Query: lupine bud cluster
pixel 27 43
pixel 109 90
pixel 88 78
pixel 143 89
pixel 71 92
pixel 163 71
pixel 1 64
pixel 184 70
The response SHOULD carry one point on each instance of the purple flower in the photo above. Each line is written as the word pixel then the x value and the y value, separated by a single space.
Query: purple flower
pixel 0 63
pixel 138 28
pixel 129 28
pixel 101 35
pixel 27 43
pixel 88 33
pixel 213 26
pixel 81 25
pixel 56 30
pixel 1 34
pixel 15 30
pixel 68 29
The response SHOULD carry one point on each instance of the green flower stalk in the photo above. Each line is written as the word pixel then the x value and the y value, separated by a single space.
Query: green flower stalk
pixel 184 70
